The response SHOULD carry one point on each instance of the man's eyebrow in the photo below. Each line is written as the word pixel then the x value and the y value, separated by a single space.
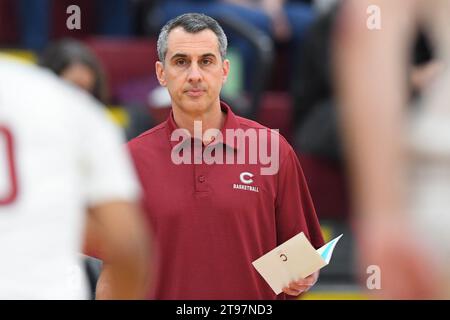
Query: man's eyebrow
pixel 206 55
pixel 179 55
pixel 184 55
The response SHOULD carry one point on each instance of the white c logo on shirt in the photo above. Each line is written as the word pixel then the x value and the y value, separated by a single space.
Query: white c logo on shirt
pixel 243 176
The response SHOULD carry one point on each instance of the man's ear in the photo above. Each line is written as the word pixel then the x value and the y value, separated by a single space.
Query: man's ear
pixel 160 74
pixel 225 69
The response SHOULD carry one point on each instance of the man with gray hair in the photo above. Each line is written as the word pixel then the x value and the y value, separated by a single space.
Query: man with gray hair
pixel 213 218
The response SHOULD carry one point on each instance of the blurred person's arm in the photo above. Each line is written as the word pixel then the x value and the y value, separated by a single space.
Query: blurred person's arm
pixel 373 89
pixel 116 231
pixel 371 81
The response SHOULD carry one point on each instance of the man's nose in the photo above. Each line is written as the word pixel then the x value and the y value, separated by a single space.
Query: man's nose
pixel 194 73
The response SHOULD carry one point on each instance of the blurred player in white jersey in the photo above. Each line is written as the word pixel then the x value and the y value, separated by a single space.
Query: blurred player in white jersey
pixel 63 166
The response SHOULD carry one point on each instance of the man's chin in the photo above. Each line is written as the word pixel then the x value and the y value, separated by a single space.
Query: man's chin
pixel 195 105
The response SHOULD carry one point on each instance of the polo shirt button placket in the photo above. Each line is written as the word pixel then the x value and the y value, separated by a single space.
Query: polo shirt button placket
pixel 201 184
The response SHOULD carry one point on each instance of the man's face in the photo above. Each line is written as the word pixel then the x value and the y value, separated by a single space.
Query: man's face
pixel 193 71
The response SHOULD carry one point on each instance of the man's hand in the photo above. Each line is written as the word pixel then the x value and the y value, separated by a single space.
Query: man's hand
pixel 301 285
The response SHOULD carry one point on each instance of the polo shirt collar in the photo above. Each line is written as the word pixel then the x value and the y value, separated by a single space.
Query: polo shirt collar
pixel 231 122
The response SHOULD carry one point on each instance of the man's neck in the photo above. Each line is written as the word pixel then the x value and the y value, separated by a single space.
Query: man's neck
pixel 213 119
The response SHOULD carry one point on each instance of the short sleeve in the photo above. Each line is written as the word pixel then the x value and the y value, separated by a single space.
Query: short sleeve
pixel 294 207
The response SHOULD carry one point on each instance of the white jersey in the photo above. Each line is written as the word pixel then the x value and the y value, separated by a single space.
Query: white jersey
pixel 58 155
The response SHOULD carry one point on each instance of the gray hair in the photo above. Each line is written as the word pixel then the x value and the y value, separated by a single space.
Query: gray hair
pixel 192 23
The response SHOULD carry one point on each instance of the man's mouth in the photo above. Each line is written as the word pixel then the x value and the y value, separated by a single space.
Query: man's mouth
pixel 195 92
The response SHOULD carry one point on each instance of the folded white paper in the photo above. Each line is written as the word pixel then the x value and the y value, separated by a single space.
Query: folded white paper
pixel 294 259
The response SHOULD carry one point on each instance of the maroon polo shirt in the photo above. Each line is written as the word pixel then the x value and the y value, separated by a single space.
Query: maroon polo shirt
pixel 210 222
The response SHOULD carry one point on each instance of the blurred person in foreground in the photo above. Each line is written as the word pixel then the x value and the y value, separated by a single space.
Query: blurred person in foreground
pixel 75 63
pixel 64 176
pixel 398 157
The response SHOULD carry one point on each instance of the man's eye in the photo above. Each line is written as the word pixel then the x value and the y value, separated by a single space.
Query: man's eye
pixel 206 62
pixel 180 62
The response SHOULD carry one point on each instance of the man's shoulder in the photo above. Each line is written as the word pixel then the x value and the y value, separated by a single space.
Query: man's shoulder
pixel 285 149
pixel 273 133
pixel 247 123
pixel 152 134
